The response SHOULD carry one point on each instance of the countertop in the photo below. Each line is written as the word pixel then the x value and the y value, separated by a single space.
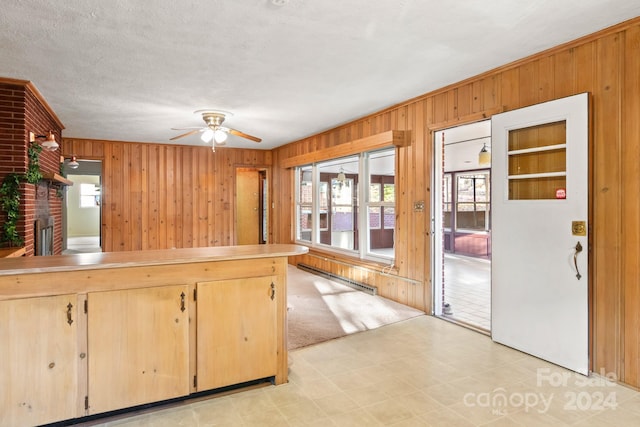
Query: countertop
pixel 102 260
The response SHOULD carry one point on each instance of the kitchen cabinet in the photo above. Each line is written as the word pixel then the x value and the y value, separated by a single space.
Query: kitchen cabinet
pixel 138 346
pixel 40 358
pixel 236 331
pixel 87 334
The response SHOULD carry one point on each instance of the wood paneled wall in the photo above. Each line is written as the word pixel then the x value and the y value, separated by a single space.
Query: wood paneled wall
pixel 157 196
pixel 607 65
pixel 163 196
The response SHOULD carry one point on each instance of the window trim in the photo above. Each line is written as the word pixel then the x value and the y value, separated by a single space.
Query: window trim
pixel 360 206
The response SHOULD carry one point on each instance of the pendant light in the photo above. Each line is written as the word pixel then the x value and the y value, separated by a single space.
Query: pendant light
pixel 484 156
pixel 73 163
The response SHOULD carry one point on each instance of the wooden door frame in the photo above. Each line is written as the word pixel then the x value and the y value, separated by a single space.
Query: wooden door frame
pixel 268 203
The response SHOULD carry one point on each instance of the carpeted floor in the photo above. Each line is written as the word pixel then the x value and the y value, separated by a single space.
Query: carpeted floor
pixel 320 309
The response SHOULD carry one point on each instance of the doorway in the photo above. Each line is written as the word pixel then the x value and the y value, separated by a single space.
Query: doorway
pixel 462 225
pixel 252 203
pixel 82 207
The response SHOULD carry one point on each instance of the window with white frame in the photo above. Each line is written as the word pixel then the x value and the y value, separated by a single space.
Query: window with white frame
pixel 89 195
pixel 304 203
pixel 348 204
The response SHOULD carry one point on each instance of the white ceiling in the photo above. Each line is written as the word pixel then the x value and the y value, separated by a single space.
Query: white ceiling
pixel 132 70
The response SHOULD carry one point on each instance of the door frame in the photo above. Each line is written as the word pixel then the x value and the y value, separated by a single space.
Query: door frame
pixel 265 202
pixel 65 214
pixel 436 220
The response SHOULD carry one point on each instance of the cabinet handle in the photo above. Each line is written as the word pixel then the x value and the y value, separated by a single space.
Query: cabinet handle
pixel 273 291
pixel 69 319
pixel 182 306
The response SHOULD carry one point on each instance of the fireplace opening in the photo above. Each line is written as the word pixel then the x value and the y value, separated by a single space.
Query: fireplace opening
pixel 44 236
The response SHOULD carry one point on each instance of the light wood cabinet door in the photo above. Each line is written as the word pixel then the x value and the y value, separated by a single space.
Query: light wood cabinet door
pixel 236 331
pixel 138 346
pixel 39 360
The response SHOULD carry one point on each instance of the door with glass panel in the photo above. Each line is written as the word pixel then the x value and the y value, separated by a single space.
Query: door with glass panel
pixel 540 231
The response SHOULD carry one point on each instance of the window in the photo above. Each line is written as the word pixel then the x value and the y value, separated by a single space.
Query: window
pixel 89 195
pixel 472 202
pixel 331 214
pixel 446 200
pixel 304 204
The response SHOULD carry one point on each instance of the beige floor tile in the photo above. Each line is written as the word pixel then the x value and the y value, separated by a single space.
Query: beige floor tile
pixel 254 401
pixel 411 422
pixel 337 403
pixel 419 403
pixel 414 383
pixel 396 387
pixel 446 417
pixel 390 411
pixel 305 409
pixel 477 414
pixel 266 418
pixel 320 388
pixel 350 380
pixel 620 417
pixel 356 418
pixel 287 394
pixel 368 395
pixel 216 412
pixel 632 403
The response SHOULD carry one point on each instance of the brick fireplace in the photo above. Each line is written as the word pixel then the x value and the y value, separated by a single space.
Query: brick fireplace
pixel 24 110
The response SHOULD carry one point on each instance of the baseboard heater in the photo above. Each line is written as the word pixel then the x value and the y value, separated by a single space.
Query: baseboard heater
pixel 371 290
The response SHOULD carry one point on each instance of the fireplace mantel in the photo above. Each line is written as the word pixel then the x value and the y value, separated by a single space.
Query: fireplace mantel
pixel 54 177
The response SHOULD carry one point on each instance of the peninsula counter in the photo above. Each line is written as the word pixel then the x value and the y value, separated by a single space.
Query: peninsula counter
pixel 85 334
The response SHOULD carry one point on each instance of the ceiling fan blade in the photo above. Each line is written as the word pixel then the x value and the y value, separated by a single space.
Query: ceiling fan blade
pixel 185 134
pixel 243 135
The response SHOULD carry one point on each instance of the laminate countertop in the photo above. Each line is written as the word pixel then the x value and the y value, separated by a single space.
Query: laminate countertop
pixel 106 260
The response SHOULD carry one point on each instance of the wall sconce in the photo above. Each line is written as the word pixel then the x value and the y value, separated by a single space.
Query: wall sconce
pixel 73 163
pixel 484 156
pixel 49 143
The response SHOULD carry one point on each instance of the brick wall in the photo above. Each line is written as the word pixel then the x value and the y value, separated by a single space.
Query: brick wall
pixel 13 151
pixel 22 111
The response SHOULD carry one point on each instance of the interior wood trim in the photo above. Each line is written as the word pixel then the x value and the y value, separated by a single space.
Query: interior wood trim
pixel 469 118
pixel 398 138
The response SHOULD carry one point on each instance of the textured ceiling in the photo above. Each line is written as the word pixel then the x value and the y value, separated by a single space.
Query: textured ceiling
pixel 132 70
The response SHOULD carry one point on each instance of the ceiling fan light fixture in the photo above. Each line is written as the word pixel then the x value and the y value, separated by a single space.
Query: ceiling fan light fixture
pixel 220 136
pixel 207 136
pixel 213 131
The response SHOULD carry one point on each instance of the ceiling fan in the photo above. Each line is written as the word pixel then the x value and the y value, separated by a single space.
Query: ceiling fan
pixel 214 132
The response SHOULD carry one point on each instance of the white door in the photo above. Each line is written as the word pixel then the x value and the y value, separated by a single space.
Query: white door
pixel 539 279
